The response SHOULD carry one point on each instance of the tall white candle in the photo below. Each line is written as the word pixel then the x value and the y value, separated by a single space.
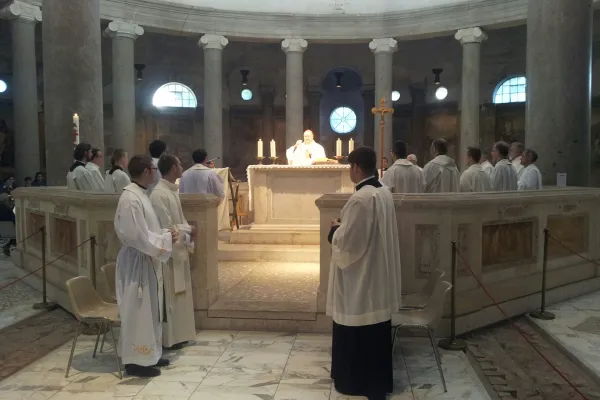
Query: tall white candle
pixel 338 148
pixel 260 148
pixel 350 146
pixel 75 129
pixel 273 150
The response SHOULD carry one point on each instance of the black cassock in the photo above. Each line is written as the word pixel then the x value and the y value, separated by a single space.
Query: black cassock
pixel 361 356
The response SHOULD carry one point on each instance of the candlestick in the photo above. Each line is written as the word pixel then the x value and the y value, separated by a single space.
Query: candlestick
pixel 273 150
pixel 260 148
pixel 350 146
pixel 338 148
pixel 75 129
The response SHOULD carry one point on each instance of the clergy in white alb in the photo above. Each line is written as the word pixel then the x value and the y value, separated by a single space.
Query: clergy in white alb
pixel 485 163
pixel 95 166
pixel 116 178
pixel 531 177
pixel 364 284
pixel 504 175
pixel 178 326
pixel 441 173
pixel 515 154
pixel 78 177
pixel 305 152
pixel 156 149
pixel 139 273
pixel 403 176
pixel 200 179
pixel 474 179
pixel 413 159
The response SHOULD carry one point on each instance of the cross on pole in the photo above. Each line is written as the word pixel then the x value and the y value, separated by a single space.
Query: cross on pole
pixel 382 111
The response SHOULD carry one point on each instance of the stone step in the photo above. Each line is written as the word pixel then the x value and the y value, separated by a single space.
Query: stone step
pixel 252 236
pixel 270 310
pixel 268 252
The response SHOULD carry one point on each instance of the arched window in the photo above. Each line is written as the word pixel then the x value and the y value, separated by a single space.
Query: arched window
pixel 511 90
pixel 343 120
pixel 174 95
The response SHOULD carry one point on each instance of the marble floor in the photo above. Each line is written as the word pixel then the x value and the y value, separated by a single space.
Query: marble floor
pixel 16 301
pixel 238 366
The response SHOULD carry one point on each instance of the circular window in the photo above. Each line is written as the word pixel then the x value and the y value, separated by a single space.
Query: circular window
pixel 246 94
pixel 342 120
pixel 395 95
pixel 3 86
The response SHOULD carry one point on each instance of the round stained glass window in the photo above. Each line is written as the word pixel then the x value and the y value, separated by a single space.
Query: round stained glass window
pixel 343 120
pixel 246 94
pixel 3 86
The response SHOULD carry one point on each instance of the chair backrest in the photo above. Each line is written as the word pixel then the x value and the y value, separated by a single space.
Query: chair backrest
pixel 434 278
pixel 109 271
pixel 433 312
pixel 83 296
pixel 242 204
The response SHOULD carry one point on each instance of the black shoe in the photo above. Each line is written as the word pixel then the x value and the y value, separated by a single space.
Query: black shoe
pixel 141 371
pixel 177 346
pixel 163 362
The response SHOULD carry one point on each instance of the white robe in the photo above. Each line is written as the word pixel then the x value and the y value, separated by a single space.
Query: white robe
pixel 139 282
pixel 475 179
pixel 80 178
pixel 96 175
pixel 530 179
pixel 158 176
pixel 504 176
pixel 179 323
pixel 116 182
pixel 364 275
pixel 305 154
pixel 404 177
pixel 441 175
pixel 487 167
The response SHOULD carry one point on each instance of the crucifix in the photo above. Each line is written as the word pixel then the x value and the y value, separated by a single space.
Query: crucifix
pixel 382 111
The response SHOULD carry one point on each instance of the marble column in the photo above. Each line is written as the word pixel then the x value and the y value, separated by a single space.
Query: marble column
pixel 384 51
pixel 213 46
pixel 123 36
pixel 25 95
pixel 294 88
pixel 72 81
pixel 470 39
pixel 559 54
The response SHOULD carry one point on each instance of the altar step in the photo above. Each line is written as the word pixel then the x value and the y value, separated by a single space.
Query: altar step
pixel 268 252
pixel 265 310
pixel 284 236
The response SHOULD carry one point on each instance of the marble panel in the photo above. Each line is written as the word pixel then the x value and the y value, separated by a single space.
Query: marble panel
pixel 569 230
pixel 507 244
pixel 462 244
pixel 108 243
pixel 35 222
pixel 63 237
pixel 427 249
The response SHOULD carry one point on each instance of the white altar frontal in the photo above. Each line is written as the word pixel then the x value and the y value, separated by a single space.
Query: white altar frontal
pixel 282 201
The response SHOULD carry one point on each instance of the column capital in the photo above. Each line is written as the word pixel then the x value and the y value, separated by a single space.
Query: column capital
pixel 21 11
pixel 124 29
pixel 294 45
pixel 470 35
pixel 216 42
pixel 384 45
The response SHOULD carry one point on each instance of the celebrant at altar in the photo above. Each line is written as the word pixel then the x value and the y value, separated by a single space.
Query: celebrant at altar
pixel 305 152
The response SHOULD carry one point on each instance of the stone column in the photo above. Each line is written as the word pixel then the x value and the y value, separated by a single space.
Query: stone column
pixel 294 87
pixel 72 80
pixel 384 50
pixel 123 36
pixel 471 39
pixel 559 51
pixel 25 95
pixel 213 46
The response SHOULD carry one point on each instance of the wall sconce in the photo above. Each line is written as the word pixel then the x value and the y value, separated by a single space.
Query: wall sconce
pixel 139 68
pixel 441 92
pixel 338 79
pixel 244 73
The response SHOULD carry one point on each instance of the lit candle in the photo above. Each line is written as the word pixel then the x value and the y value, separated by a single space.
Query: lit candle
pixel 75 129
pixel 273 151
pixel 350 146
pixel 338 148
pixel 260 148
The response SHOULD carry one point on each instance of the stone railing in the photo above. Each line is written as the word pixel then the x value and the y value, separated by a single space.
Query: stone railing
pixel 501 236
pixel 71 217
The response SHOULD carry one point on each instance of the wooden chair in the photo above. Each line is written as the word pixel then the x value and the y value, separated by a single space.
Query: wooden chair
pixel 242 209
pixel 234 189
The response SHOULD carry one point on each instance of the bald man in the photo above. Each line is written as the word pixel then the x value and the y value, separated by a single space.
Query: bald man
pixel 305 152
pixel 413 159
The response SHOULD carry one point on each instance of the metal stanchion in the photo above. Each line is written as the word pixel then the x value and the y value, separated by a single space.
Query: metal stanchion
pixel 93 259
pixel 44 305
pixel 452 343
pixel 542 313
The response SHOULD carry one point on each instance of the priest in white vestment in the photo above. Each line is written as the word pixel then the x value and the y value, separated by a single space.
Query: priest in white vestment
pixel 305 152
pixel 156 149
pixel 441 173
pixel 95 166
pixel 413 159
pixel 531 177
pixel 116 178
pixel 78 177
pixel 504 175
pixel 515 154
pixel 139 280
pixel 178 325
pixel 403 176
pixel 364 284
pixel 474 179
pixel 200 179
pixel 485 163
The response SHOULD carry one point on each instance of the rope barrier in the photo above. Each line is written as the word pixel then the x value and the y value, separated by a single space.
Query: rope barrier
pixel 30 236
pixel 518 328
pixel 571 250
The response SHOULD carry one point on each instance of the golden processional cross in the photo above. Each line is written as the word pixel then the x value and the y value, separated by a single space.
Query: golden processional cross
pixel 382 111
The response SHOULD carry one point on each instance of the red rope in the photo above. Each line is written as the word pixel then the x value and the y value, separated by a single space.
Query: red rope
pixel 30 236
pixel 571 250
pixel 518 328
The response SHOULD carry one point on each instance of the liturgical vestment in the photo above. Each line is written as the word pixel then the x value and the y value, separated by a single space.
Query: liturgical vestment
pixel 404 177
pixel 139 281
pixel 475 179
pixel 116 180
pixel 363 292
pixel 178 325
pixel 504 176
pixel 305 154
pixel 441 175
pixel 80 178
pixel 96 174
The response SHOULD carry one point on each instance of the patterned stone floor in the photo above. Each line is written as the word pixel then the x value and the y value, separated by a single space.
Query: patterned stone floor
pixel 238 366
pixel 16 301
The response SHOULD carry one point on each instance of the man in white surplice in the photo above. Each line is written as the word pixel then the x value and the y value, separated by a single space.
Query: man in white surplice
pixel 305 152
pixel 200 179
pixel 403 176
pixel 178 326
pixel 78 177
pixel 116 177
pixel 95 166
pixel 531 178
pixel 474 179
pixel 156 149
pixel 515 154
pixel 139 281
pixel 485 163
pixel 364 284
pixel 504 175
pixel 441 173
